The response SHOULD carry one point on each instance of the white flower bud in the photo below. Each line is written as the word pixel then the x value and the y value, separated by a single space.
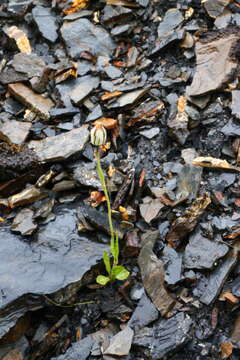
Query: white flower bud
pixel 98 135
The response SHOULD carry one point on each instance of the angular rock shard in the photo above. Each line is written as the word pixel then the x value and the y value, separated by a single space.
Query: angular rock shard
pixel 217 61
pixel 60 147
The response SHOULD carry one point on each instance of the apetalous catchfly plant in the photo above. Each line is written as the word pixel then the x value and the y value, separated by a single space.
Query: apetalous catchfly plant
pixel 114 271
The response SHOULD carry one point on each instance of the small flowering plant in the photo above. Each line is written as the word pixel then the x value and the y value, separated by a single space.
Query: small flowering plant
pixel 114 271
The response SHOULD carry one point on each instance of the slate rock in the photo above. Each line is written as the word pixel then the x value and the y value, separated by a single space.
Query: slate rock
pixel 81 35
pixel 202 253
pixel 231 129
pixel 176 35
pixel 215 8
pixel 78 351
pixel 217 278
pixel 170 334
pixel 150 208
pixel 188 182
pixel 129 98
pixel 120 344
pixel 87 175
pixel 88 83
pixel 217 61
pixel 236 103
pixel 150 133
pixel 58 257
pixel 173 265
pixel 14 132
pixel 37 103
pixel 46 23
pixel 60 147
pixel 236 286
pixel 29 64
pixel 172 19
pixel 144 314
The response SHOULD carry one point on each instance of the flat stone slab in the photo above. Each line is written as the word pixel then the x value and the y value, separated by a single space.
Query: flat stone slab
pixel 60 147
pixel 14 132
pixel 39 104
pixel 216 61
pixel 59 257
pixel 202 253
pixel 45 22
pixel 81 35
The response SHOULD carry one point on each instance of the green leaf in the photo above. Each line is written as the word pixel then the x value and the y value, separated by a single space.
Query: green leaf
pixel 102 280
pixel 119 273
pixel 106 260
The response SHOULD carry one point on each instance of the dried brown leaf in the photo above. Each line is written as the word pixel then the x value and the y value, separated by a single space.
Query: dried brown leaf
pixel 108 123
pixel 110 95
pixel 212 162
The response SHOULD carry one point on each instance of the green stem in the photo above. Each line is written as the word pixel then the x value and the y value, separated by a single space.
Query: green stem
pixel 103 183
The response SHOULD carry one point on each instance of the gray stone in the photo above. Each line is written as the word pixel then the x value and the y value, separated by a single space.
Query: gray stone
pixel 81 35
pixel 87 175
pixel 236 103
pixel 88 84
pixel 218 277
pixel 202 253
pixel 216 62
pixel 60 147
pixel 78 351
pixel 173 265
pixel 172 19
pixel 46 22
pixel 58 257
pixel 29 64
pixel 150 133
pixel 215 8
pixel 14 132
pixel 120 344
pixel 169 335
pixel 144 314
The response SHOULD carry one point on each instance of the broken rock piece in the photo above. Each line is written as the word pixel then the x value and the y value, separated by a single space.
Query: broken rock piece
pixel 120 343
pixel 45 22
pixel 217 61
pixel 88 84
pixel 81 36
pixel 215 8
pixel 152 272
pixel 27 196
pixel 39 104
pixel 60 147
pixel 150 208
pixel 212 162
pixel 14 132
pixel 29 64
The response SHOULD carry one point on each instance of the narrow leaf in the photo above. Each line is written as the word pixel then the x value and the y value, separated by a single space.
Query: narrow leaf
pixel 106 260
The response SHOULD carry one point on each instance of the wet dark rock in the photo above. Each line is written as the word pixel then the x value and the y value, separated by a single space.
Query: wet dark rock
pixel 10 319
pixel 152 272
pixel 172 19
pixel 144 314
pixel 14 132
pixel 46 23
pixel 120 343
pixel 60 147
pixel 58 243
pixel 197 248
pixel 172 265
pixel 81 35
pixel 215 8
pixel 87 175
pixel 99 220
pixel 236 103
pixel 236 287
pixel 88 83
pixel 37 103
pixel 218 277
pixel 29 64
pixel 231 129
pixel 12 106
pixel 23 222
pixel 214 68
pixel 170 334
pixel 63 112
pixel 79 350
